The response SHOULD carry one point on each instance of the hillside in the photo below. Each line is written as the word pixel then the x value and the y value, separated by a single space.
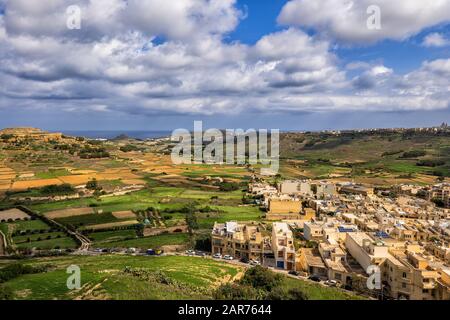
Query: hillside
pixel 382 157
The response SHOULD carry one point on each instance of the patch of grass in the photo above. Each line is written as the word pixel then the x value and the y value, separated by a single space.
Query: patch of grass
pixel 105 274
pixel 152 242
pixel 108 236
pixel 34 237
pixel 62 243
pixel 52 173
pixel 318 292
pixel 89 219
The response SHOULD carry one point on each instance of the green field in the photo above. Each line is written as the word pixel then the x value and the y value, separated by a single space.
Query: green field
pixel 88 219
pixel 107 236
pixel 318 292
pixel 30 225
pixel 195 278
pixel 152 242
pixel 57 243
pixel 226 203
pixel 104 277
pixel 52 173
pixel 36 237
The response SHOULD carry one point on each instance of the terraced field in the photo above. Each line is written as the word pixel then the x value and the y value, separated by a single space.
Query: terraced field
pixel 103 277
pixel 141 278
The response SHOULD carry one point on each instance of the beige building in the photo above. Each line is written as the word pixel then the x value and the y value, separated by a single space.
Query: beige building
pixel 295 187
pixel 365 249
pixel 356 189
pixel 283 246
pixel 310 262
pixel 408 275
pixel 238 240
pixel 326 189
pixel 284 209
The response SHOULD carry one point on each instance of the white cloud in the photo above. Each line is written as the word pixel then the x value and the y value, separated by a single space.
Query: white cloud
pixel 435 40
pixel 346 20
pixel 113 64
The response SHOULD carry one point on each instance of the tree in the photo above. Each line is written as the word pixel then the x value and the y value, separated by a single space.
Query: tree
pixel 92 184
pixel 191 218
pixel 5 293
pixel 261 278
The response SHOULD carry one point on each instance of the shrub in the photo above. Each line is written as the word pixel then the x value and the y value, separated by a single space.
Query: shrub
pixel 413 154
pixel 5 293
pixel 232 291
pixel 261 278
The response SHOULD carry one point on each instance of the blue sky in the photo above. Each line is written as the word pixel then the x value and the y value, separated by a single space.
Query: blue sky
pixel 287 64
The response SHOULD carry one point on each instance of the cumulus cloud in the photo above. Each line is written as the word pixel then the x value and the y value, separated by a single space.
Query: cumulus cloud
pixel 169 57
pixel 435 40
pixel 346 20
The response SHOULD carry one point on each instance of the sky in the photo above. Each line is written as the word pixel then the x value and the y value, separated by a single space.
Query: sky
pixel 274 64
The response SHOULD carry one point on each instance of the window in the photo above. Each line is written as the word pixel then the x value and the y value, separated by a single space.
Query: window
pixel 403 285
pixel 404 275
pixel 338 276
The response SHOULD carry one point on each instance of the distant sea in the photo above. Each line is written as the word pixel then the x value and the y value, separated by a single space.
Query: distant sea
pixel 111 134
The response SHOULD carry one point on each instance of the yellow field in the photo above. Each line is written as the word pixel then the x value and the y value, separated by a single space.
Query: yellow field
pixel 5 187
pixel 124 214
pixel 7 176
pixel 12 214
pixel 133 181
pixel 68 213
pixel 24 185
pixel 77 179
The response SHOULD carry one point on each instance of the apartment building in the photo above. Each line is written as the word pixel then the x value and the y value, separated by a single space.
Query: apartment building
pixel 262 189
pixel 408 275
pixel 280 208
pixel 295 187
pixel 283 246
pixel 238 240
pixel 325 190
pixel 312 231
pixel 441 192
pixel 365 249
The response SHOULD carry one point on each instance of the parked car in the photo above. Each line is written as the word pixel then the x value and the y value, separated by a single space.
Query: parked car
pixel 244 260
pixel 331 283
pixel 314 278
pixel 190 252
pixel 293 273
pixel 227 257
pixel 151 252
pixel 200 254
pixel 255 263
pixel 217 256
